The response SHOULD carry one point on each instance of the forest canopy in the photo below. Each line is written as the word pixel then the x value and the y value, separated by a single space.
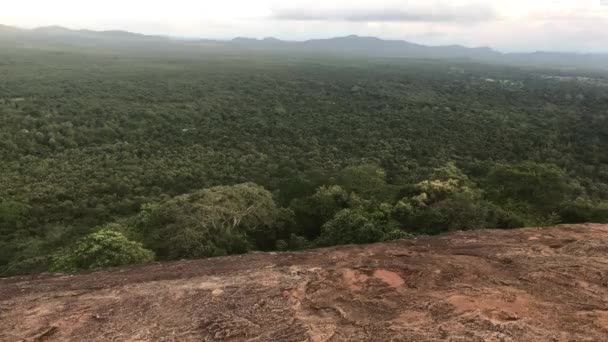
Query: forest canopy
pixel 119 158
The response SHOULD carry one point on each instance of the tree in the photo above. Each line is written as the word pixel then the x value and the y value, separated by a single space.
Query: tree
pixel 313 211
pixel 210 222
pixel 367 181
pixel 583 210
pixel 450 172
pixel 12 216
pixel 355 226
pixel 444 204
pixel 533 189
pixel 104 248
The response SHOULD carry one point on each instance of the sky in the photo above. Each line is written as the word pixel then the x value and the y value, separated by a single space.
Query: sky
pixel 506 25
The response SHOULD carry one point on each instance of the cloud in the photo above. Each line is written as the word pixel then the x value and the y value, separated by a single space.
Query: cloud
pixel 432 12
pixel 508 25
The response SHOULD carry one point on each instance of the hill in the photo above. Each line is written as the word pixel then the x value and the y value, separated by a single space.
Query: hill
pixel 368 46
pixel 352 45
pixel 519 285
pixel 8 30
pixel 375 47
pixel 59 31
pixel 49 36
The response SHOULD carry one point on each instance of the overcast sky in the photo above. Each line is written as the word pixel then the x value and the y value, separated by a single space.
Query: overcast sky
pixel 507 25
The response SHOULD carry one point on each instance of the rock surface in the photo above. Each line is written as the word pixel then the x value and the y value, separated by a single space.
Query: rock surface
pixel 534 284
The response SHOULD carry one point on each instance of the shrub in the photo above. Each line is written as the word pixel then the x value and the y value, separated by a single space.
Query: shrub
pixel 26 266
pixel 281 245
pixel 355 226
pixel 583 211
pixel 104 248
pixel 504 219
pixel 396 234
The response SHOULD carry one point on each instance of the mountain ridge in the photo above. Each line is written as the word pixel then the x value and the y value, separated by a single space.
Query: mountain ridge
pixel 355 45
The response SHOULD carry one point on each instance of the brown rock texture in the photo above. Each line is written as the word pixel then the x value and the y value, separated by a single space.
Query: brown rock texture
pixel 533 284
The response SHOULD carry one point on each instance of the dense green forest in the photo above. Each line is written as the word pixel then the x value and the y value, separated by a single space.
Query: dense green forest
pixel 111 158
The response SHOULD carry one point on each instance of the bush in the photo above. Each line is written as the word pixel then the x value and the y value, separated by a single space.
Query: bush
pixel 583 211
pixel 105 248
pixel 31 265
pixel 355 226
pixel 297 243
pixel 281 245
pixel 396 234
pixel 504 219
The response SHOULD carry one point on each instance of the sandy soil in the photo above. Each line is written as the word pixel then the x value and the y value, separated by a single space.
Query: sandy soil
pixel 535 284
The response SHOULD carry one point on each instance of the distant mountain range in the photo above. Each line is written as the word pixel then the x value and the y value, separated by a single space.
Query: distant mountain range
pixel 369 46
pixel 63 34
pixel 341 46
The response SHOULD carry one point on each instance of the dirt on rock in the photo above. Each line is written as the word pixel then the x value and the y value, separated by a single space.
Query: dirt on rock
pixel 534 284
